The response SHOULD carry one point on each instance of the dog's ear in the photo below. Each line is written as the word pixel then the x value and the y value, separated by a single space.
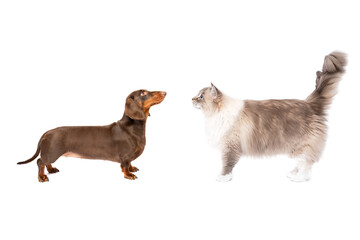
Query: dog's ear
pixel 133 110
pixel 215 93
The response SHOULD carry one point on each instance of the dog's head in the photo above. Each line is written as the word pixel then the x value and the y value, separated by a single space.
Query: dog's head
pixel 138 103
pixel 207 99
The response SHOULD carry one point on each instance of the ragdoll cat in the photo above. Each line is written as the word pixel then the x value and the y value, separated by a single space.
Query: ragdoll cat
pixel 269 127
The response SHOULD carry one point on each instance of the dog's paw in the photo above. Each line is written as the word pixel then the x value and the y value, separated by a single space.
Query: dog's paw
pixel 130 176
pixel 224 178
pixel 53 170
pixel 43 178
pixel 133 169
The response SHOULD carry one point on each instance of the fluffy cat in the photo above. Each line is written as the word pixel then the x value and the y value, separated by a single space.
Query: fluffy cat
pixel 269 127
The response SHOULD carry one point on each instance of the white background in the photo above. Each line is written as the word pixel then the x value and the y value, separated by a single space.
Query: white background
pixel 74 63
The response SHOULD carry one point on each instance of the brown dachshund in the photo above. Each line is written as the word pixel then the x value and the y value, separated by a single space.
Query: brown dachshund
pixel 122 141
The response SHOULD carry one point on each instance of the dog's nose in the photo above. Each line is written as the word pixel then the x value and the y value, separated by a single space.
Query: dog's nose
pixel 194 98
pixel 163 93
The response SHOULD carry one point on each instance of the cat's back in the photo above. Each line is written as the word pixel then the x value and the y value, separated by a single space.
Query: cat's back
pixel 271 126
pixel 278 109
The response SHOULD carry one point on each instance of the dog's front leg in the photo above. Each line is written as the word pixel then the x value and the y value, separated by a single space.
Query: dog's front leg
pixel 133 169
pixel 125 168
pixel 229 159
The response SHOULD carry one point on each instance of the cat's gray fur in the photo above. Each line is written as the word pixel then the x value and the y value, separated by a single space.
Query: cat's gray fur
pixel 257 128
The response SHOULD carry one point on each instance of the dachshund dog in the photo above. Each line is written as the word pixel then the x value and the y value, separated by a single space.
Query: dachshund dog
pixel 122 141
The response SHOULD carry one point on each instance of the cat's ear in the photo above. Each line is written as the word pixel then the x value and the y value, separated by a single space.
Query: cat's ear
pixel 215 93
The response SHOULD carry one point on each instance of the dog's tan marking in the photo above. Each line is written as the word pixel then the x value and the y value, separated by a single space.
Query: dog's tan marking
pixel 133 169
pixel 71 154
pixel 51 169
pixel 42 177
pixel 129 175
pixel 157 98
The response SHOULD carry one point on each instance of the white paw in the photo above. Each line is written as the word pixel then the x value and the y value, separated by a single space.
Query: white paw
pixel 300 177
pixel 224 178
pixel 292 173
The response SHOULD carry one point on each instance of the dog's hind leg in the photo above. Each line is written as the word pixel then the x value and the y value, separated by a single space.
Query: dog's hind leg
pixel 41 175
pixel 51 169
pixel 50 155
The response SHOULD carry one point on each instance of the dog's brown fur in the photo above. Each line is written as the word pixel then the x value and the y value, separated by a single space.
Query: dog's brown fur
pixel 122 141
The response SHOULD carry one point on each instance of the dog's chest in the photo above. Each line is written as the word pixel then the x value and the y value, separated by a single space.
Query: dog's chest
pixel 138 151
pixel 137 146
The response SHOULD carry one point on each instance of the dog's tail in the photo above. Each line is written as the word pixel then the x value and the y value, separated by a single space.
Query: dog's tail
pixel 35 155
pixel 327 82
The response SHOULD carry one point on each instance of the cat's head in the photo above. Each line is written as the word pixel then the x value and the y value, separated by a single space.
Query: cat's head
pixel 208 99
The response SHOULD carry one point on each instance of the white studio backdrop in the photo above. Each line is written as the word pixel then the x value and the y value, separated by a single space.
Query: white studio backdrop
pixel 74 62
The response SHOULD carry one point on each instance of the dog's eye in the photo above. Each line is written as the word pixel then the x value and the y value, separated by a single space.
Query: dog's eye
pixel 143 94
pixel 201 96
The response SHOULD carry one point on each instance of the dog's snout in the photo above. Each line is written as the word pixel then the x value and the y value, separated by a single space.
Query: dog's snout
pixel 161 94
pixel 194 98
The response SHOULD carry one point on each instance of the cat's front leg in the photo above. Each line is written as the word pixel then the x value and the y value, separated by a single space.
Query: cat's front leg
pixel 229 159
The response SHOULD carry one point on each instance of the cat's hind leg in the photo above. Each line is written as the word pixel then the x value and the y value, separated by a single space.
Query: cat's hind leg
pixel 306 156
pixel 302 171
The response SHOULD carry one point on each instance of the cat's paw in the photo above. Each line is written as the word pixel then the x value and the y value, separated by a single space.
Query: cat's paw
pixel 291 174
pixel 224 178
pixel 301 176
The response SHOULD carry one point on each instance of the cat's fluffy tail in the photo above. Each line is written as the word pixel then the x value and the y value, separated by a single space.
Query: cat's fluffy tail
pixel 327 82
